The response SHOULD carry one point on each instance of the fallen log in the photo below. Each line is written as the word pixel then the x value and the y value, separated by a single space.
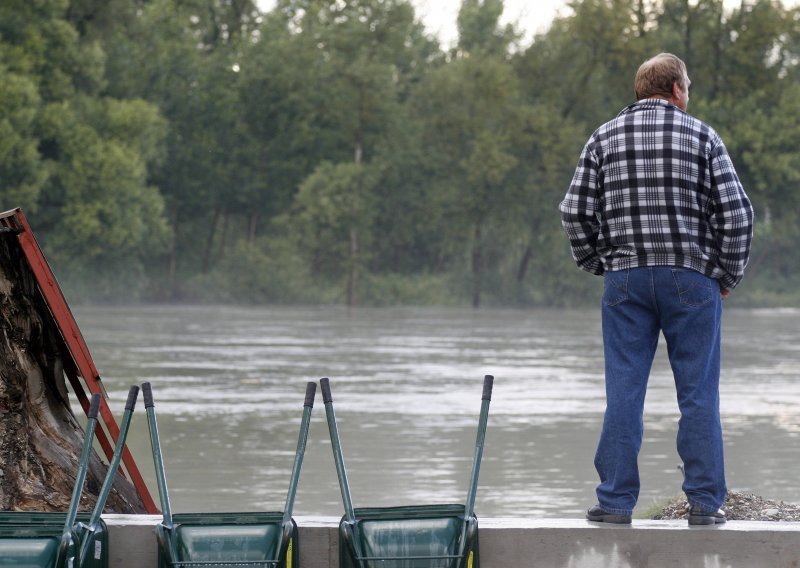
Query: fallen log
pixel 40 437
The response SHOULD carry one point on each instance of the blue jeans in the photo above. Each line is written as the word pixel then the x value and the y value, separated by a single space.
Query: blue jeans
pixel 686 306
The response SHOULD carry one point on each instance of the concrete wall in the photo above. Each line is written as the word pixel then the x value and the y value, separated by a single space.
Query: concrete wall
pixel 546 543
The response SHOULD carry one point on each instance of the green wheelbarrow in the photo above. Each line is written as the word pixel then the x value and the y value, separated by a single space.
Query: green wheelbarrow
pixel 200 540
pixel 71 539
pixel 423 536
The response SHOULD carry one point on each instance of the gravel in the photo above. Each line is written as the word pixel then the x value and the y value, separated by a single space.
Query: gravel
pixel 739 507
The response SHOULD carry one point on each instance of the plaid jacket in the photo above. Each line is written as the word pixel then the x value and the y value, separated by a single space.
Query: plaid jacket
pixel 656 187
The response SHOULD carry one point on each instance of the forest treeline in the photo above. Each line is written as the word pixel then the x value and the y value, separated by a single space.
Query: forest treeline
pixel 333 152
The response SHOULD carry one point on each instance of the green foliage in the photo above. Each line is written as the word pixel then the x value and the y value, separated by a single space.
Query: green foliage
pixel 410 290
pixel 106 207
pixel 764 141
pixel 333 203
pixel 263 272
pixel 479 30
pixel 332 152
pixel 75 159
pixel 22 173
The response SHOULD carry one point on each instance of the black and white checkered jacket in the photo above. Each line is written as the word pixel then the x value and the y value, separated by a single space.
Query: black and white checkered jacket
pixel 656 187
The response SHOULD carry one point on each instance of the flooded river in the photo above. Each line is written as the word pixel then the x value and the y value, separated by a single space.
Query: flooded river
pixel 229 384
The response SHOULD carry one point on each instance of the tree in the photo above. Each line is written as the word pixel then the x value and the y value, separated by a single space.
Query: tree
pixel 585 63
pixel 153 138
pixel 479 30
pixel 548 161
pixel 22 173
pixel 72 160
pixel 184 57
pixel 278 97
pixel 107 214
pixel 359 57
pixel 474 127
pixel 336 209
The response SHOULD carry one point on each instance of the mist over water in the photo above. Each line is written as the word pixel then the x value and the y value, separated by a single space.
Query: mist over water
pixel 229 385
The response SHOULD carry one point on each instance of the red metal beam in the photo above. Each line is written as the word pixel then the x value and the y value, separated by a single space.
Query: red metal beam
pixel 75 347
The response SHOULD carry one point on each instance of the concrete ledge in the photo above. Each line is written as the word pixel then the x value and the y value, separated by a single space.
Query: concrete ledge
pixel 544 543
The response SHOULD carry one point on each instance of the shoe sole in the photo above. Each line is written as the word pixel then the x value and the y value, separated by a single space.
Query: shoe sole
pixel 613 519
pixel 706 520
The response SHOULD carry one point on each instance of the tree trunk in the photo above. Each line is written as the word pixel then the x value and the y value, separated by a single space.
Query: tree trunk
pixel 641 18
pixel 212 230
pixel 251 227
pixel 40 438
pixel 524 264
pixel 173 257
pixel 352 281
pixel 687 38
pixel 477 268
pixel 223 241
pixel 716 87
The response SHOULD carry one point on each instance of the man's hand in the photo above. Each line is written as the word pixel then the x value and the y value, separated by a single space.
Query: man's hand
pixel 724 293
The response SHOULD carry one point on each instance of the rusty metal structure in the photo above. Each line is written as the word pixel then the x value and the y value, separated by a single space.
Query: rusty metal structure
pixel 78 365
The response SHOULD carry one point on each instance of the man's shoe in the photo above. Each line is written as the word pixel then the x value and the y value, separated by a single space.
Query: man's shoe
pixel 703 518
pixel 598 515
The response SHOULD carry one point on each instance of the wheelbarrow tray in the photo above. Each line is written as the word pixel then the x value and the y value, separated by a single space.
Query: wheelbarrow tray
pixel 416 536
pixel 228 539
pixel 31 539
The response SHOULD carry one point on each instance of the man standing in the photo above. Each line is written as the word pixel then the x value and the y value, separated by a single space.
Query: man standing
pixel 656 207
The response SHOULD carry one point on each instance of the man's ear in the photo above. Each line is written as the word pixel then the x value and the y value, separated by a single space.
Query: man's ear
pixel 676 93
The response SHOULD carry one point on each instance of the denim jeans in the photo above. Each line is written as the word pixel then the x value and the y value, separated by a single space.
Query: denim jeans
pixel 685 305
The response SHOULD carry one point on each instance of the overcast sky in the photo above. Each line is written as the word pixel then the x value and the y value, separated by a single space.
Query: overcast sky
pixel 531 16
pixel 439 16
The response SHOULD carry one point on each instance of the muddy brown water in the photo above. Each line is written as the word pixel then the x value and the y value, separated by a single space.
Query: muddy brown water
pixel 229 385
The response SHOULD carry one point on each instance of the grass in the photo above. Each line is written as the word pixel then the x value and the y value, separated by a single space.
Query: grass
pixel 657 506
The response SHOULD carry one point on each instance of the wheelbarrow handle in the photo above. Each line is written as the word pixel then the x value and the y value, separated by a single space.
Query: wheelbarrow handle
pixel 302 438
pixel 488 383
pixel 311 391
pixel 158 460
pixel 133 394
pixel 94 407
pixel 168 544
pixel 341 472
pixel 108 482
pixel 325 383
pixel 80 477
pixel 147 390
pixel 336 445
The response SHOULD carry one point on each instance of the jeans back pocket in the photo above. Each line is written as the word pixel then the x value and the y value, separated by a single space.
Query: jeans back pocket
pixel 615 287
pixel 694 288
